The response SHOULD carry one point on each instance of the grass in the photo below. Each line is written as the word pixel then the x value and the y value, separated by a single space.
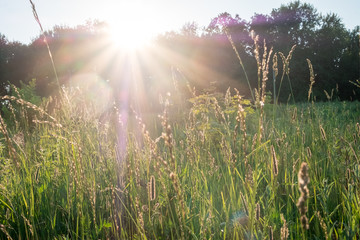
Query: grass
pixel 207 175
pixel 219 167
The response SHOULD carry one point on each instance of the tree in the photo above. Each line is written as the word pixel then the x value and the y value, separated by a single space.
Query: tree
pixel 3 58
pixel 263 26
pixel 349 66
pixel 14 64
pixel 294 23
pixel 331 41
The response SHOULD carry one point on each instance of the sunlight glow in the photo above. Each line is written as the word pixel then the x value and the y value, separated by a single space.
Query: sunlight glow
pixel 132 25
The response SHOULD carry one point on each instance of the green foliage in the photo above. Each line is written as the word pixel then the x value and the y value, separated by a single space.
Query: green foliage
pixel 28 92
pixel 69 178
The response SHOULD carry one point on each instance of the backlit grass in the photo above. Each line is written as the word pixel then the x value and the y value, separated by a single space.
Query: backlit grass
pixel 208 175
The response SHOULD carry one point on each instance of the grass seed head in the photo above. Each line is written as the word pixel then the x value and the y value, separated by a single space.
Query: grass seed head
pixel 275 65
pixel 152 188
pixel 275 161
pixel 284 229
pixel 322 224
pixel 303 179
pixel 312 78
pixel 258 212
pixel 308 151
pixel 271 233
pixel 323 134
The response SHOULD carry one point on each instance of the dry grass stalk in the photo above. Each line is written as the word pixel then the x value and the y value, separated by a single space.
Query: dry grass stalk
pixel 169 142
pixel 323 134
pixel 240 118
pixel 12 152
pixel 27 222
pixel 168 137
pixel 36 16
pixel 262 73
pixel 140 214
pixel 275 66
pixel 12 110
pixel 265 70
pixel 354 153
pixel 19 140
pixel 284 229
pixel 303 179
pixel 254 142
pixel 219 113
pixel 258 212
pixel 288 59
pixel 271 233
pixel 308 151
pixel 159 161
pixel 244 202
pixel 275 161
pixel 240 61
pixel 294 115
pixel 47 122
pixel 322 224
pixel 312 78
pixel 181 215
pixel 28 105
pixel 303 138
pixel 275 74
pixel 255 38
pixel 285 67
pixel 327 95
pixel 138 186
pixel 152 188
pixel 283 59
pixel 3 229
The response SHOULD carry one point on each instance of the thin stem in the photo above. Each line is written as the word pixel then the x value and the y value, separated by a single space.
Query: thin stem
pixel 46 42
pixel 240 61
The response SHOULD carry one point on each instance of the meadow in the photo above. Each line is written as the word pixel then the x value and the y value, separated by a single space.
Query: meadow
pixel 210 166
pixel 218 167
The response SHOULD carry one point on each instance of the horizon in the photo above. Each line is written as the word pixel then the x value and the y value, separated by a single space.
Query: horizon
pixel 158 16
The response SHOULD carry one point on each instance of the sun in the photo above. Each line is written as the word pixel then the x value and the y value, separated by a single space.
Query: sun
pixel 128 36
pixel 132 25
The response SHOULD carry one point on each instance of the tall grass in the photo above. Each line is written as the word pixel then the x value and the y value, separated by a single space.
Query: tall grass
pixel 222 168
pixel 208 175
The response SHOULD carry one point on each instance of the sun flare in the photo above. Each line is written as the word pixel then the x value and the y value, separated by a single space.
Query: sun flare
pixel 132 25
pixel 127 36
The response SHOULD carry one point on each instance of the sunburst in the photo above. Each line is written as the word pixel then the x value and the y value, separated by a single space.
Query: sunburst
pixel 132 25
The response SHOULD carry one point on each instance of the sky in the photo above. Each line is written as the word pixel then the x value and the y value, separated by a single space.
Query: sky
pixel 17 22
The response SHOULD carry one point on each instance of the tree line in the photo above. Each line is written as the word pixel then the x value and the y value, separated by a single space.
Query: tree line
pixel 202 56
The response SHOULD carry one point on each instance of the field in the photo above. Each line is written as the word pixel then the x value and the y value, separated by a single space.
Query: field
pixel 99 156
pixel 217 167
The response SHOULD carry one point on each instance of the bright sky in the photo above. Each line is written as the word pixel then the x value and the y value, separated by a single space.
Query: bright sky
pixel 17 22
